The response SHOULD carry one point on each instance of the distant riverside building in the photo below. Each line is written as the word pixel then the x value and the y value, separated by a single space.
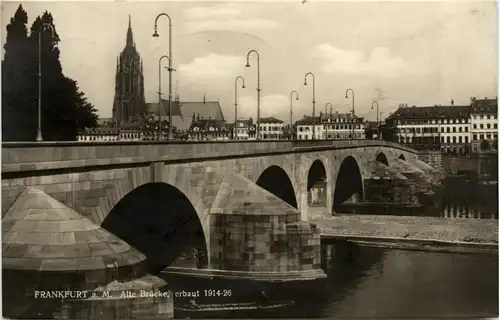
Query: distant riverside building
pixel 445 128
pixel 244 129
pixel 484 124
pixel 340 126
pixel 129 100
pixel 208 129
pixel 304 128
pixel 270 128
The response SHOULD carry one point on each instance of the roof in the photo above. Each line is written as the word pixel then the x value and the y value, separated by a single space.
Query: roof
pixel 431 112
pixel 42 234
pixel 211 123
pixel 488 106
pixel 182 112
pixel 270 120
pixel 307 120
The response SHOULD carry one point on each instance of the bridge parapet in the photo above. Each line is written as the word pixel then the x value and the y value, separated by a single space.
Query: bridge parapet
pixel 32 156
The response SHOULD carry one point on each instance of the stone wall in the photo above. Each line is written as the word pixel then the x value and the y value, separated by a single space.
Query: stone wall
pixel 476 165
pixel 264 243
pixel 390 191
pixel 432 158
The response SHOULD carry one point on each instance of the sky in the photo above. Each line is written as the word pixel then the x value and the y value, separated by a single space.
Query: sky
pixel 413 52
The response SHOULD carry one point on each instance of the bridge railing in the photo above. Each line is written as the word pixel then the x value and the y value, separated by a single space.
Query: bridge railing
pixel 27 156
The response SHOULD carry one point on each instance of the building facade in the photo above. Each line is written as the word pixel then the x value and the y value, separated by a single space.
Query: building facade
pixel 270 128
pixel 484 125
pixel 445 128
pixel 244 130
pixel 129 101
pixel 208 129
pixel 304 128
pixel 342 126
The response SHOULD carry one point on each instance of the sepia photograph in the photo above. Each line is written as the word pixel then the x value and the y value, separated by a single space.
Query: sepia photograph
pixel 330 159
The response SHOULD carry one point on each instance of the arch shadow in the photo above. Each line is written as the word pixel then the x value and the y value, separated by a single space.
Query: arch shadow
pixel 382 158
pixel 275 180
pixel 316 184
pixel 160 221
pixel 402 157
pixel 349 182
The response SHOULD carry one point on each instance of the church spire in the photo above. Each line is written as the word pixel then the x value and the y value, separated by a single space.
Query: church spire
pixel 130 37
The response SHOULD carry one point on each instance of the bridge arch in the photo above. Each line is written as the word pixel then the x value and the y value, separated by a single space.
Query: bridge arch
pixel 382 158
pixel 275 180
pixel 316 178
pixel 349 182
pixel 402 157
pixel 160 221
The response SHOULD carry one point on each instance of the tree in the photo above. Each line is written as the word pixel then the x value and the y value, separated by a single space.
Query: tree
pixel 65 108
pixel 495 145
pixel 16 111
pixel 485 145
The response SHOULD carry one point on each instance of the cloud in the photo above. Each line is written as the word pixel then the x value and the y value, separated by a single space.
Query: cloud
pixel 211 69
pixel 214 12
pixel 219 17
pixel 276 105
pixel 380 62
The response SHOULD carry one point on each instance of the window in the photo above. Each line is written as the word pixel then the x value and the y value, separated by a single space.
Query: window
pixel 442 139
pixel 481 137
pixel 454 139
pixel 442 129
pixel 459 129
pixel 488 117
pixel 448 129
pixel 494 125
pixel 466 129
pixel 460 139
pixel 488 136
pixel 488 126
pixel 447 139
pixel 454 129
pixel 474 137
pixel 475 126
pixel 466 139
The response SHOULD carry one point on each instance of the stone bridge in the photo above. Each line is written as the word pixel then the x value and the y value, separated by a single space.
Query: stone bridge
pixel 243 205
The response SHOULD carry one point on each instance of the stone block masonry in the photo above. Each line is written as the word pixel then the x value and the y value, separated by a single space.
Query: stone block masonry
pixel 264 243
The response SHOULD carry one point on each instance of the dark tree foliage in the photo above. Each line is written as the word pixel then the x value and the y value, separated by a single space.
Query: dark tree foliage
pixel 65 108
pixel 485 145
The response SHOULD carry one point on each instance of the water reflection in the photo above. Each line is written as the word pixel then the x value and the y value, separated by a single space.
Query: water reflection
pixel 393 283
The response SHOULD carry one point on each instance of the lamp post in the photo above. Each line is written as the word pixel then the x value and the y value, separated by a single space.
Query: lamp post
pixel 235 136
pixel 155 34
pixel 291 111
pixel 257 137
pixel 159 96
pixel 346 96
pixel 378 121
pixel 314 102
pixel 379 125
pixel 39 136
pixel 326 112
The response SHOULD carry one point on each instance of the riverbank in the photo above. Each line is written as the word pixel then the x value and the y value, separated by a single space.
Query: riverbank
pixel 409 232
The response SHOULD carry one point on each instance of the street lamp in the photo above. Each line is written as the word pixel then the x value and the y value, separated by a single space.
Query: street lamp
pixel 314 102
pixel 235 136
pixel 378 121
pixel 170 134
pixel 291 110
pixel 258 88
pixel 346 96
pixel 379 126
pixel 326 112
pixel 159 96
pixel 39 136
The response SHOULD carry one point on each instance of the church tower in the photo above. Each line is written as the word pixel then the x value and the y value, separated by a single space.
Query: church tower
pixel 129 102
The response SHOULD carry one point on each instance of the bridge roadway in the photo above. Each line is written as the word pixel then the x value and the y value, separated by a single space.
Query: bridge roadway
pixel 34 156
